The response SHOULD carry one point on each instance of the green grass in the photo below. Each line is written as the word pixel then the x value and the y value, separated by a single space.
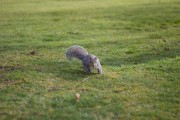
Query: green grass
pixel 137 42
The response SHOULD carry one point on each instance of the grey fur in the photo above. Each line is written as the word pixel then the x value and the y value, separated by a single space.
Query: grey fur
pixel 76 51
pixel 88 60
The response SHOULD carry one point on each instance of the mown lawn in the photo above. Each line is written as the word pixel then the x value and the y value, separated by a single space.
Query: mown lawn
pixel 137 42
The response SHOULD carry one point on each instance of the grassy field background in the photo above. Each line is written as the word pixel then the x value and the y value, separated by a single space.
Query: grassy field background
pixel 137 41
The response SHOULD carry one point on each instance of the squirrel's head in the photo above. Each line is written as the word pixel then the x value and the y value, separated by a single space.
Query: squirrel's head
pixel 94 61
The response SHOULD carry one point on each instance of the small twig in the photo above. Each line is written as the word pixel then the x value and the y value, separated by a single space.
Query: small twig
pixel 85 79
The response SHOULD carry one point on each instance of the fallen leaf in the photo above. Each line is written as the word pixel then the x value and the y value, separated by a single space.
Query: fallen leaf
pixel 33 52
pixel 77 97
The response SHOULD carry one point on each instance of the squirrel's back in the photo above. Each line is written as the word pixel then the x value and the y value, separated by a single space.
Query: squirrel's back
pixel 76 51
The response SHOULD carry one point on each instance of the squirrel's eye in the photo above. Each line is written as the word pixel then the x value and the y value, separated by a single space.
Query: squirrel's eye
pixel 95 58
pixel 90 58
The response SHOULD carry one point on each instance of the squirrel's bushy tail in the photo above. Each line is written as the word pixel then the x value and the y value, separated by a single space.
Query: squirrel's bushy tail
pixel 76 51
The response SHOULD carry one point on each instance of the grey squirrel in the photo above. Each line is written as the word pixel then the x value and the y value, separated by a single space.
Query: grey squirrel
pixel 88 60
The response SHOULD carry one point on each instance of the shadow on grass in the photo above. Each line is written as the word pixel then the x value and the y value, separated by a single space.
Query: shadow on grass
pixel 61 69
